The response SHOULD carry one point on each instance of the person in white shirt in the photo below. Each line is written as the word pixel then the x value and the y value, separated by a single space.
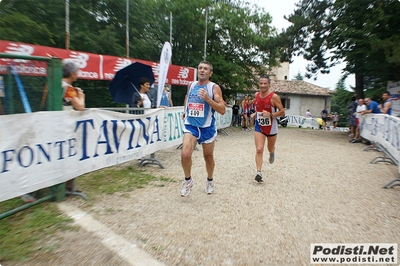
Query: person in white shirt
pixel 143 98
pixel 360 108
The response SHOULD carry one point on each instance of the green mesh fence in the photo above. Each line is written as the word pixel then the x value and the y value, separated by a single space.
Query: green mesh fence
pixel 29 84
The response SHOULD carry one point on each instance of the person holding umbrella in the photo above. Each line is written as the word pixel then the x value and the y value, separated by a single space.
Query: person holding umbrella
pixel 143 98
pixel 132 83
pixel 203 98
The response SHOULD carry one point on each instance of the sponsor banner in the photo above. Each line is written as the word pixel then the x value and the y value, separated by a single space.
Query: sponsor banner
pixel 165 59
pixel 2 94
pixel 92 66
pixel 383 129
pixel 301 121
pixel 304 122
pixel 350 253
pixel 394 89
pixel 223 121
pixel 42 149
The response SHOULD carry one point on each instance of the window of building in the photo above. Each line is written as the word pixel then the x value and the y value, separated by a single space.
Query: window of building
pixel 286 103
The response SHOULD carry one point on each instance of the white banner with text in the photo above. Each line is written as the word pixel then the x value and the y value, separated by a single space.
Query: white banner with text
pixel 42 149
pixel 383 129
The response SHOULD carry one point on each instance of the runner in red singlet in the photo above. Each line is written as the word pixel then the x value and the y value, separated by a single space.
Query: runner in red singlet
pixel 268 107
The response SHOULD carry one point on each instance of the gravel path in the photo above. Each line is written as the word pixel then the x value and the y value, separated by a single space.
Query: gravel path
pixel 321 189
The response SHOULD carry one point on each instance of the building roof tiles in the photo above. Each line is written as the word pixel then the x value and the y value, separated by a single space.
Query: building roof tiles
pixel 298 87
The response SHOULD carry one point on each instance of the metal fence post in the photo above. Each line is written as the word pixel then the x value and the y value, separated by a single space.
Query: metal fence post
pixel 54 77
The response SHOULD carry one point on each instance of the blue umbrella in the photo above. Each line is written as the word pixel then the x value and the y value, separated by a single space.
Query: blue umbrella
pixel 126 81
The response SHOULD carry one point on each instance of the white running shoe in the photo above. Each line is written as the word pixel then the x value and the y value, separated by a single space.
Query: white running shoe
pixel 186 186
pixel 210 187
pixel 259 178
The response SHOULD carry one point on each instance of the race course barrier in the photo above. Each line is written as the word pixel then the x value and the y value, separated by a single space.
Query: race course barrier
pixel 383 130
pixel 42 149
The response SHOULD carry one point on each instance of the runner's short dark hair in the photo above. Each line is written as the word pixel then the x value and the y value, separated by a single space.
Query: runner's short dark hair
pixel 265 77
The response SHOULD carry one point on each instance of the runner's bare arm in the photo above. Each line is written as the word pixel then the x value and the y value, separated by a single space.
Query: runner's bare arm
pixel 276 101
pixel 78 102
pixel 386 107
pixel 218 104
pixel 184 102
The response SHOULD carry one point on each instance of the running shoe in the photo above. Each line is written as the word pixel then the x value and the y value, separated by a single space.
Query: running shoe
pixel 259 178
pixel 186 186
pixel 271 158
pixel 210 187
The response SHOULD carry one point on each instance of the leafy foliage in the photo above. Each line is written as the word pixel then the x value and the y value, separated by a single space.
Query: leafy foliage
pixel 299 76
pixel 364 34
pixel 240 42
pixel 341 98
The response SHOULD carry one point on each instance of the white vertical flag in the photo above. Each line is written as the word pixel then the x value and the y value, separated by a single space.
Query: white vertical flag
pixel 163 69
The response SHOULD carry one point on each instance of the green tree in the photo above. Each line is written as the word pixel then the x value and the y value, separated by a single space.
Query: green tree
pixel 28 31
pixel 341 98
pixel 241 44
pixel 299 76
pixel 363 34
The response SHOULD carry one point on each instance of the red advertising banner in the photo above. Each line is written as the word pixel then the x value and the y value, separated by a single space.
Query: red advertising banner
pixel 92 66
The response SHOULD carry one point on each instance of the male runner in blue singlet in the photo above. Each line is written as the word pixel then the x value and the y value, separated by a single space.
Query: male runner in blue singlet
pixel 203 98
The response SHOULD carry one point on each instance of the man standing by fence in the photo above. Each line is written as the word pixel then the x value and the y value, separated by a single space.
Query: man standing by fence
pixel 386 106
pixel 203 98
pixel 73 98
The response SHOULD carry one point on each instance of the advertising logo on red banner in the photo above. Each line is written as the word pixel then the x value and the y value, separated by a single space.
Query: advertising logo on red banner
pixel 92 66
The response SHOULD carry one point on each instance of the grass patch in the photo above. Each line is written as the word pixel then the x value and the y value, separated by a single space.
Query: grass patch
pixel 115 179
pixel 21 233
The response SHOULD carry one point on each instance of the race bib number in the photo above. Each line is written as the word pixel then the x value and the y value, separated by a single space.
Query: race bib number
pixel 196 109
pixel 262 120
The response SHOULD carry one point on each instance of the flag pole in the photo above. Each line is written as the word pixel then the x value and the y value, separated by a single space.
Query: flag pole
pixel 67 24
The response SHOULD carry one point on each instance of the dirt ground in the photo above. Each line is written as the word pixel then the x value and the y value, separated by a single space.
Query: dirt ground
pixel 320 189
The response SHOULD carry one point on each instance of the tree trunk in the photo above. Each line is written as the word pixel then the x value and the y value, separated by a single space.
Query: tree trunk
pixel 359 90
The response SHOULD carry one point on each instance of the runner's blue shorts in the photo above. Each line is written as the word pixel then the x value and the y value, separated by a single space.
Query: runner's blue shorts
pixel 204 135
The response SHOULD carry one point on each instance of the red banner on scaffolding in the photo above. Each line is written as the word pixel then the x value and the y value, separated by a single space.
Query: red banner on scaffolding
pixel 92 66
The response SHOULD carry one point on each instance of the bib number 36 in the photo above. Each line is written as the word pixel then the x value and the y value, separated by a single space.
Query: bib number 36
pixel 262 120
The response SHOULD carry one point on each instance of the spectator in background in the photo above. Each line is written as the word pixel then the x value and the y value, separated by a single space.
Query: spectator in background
pixel 166 100
pixel 240 113
pixel 308 114
pixel 252 110
pixel 352 118
pixel 226 100
pixel 386 106
pixel 245 113
pixel 360 108
pixel 73 98
pixel 324 117
pixel 372 107
pixel 143 98
pixel 235 114
pixel 335 119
